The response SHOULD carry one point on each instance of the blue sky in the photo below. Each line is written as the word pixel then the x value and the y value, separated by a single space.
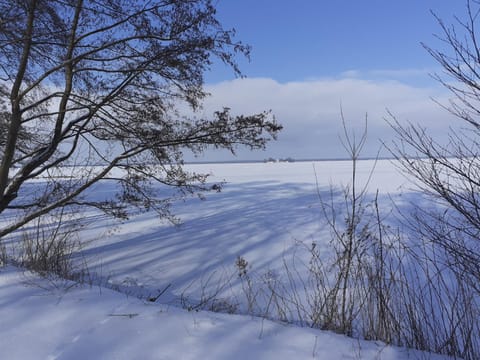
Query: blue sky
pixel 306 39
pixel 317 56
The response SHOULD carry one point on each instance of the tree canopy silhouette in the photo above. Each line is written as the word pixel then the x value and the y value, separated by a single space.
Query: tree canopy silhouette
pixel 102 84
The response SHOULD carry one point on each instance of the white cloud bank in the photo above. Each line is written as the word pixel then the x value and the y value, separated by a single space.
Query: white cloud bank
pixel 310 112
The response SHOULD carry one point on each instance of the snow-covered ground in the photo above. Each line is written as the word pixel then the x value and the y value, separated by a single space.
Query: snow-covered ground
pixel 50 320
pixel 263 213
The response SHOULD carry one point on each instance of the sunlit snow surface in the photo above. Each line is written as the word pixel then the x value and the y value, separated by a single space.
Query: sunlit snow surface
pixel 264 214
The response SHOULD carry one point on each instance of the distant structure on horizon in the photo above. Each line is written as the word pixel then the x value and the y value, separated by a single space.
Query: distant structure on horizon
pixel 272 160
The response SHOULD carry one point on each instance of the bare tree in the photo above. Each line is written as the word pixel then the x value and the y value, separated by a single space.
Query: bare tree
pixel 102 83
pixel 450 172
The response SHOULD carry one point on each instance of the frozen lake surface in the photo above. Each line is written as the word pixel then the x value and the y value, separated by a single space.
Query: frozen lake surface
pixel 266 213
pixel 263 213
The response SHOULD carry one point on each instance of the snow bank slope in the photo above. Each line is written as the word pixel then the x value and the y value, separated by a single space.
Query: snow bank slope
pixel 42 320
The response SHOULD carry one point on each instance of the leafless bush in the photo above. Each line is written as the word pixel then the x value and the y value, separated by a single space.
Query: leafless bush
pixel 448 171
pixel 397 285
pixel 444 240
pixel 52 247
pixel 211 296
pixel 440 306
pixel 266 295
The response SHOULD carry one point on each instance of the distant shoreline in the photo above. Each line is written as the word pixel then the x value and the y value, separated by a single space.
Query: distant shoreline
pixel 282 161
pixel 266 161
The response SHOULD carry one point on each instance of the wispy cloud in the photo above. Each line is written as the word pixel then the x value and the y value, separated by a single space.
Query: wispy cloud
pixel 410 76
